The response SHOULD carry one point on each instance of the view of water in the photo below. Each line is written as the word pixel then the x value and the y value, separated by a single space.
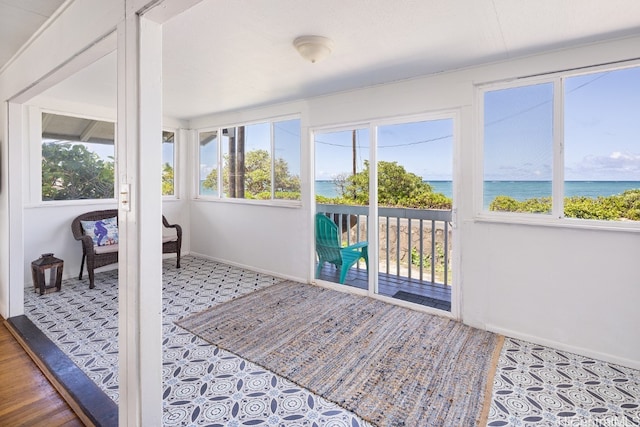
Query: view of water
pixel 519 190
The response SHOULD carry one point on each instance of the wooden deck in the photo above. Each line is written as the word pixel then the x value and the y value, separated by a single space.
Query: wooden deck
pixel 413 290
pixel 27 398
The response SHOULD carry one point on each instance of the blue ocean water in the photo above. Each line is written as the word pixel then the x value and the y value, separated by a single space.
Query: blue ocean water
pixel 519 190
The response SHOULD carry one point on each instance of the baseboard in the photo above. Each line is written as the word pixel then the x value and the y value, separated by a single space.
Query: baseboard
pixel 250 267
pixel 86 399
pixel 606 357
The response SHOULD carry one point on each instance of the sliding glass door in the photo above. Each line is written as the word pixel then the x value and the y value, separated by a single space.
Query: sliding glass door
pixel 396 226
pixel 342 197
pixel 414 205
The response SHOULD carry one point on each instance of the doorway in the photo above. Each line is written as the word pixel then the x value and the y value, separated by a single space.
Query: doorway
pixel 402 218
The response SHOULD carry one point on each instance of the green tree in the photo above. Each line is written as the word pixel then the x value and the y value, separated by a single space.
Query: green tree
pixel 72 171
pixel 257 177
pixel 396 187
pixel 211 181
pixel 167 180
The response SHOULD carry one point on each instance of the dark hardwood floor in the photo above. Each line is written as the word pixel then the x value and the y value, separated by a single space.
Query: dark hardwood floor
pixel 27 398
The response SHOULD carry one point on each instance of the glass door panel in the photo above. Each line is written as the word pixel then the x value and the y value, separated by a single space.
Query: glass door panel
pixel 415 170
pixel 342 198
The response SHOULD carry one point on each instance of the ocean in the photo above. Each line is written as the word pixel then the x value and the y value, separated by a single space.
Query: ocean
pixel 519 190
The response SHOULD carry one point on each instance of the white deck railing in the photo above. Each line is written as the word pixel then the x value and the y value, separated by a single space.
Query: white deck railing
pixel 414 243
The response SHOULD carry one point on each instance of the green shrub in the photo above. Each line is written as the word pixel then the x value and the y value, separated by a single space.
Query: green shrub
pixel 509 204
pixel 504 204
pixel 616 207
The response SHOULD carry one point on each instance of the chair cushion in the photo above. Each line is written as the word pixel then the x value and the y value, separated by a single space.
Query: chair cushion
pixel 103 232
pixel 105 249
pixel 166 239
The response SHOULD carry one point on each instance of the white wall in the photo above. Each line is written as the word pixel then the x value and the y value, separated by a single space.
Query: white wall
pixel 570 288
pixel 83 23
pixel 573 288
pixel 272 240
pixel 48 225
pixel 48 229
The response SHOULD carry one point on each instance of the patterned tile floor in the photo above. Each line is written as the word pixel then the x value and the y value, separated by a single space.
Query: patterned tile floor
pixel 203 385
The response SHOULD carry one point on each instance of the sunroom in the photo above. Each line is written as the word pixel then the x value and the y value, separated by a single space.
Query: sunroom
pixel 205 112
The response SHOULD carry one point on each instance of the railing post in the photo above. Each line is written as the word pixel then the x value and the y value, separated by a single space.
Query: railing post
pixel 446 252
pixel 433 251
pixel 421 250
pixel 409 248
pixel 397 246
pixel 387 245
pixel 344 212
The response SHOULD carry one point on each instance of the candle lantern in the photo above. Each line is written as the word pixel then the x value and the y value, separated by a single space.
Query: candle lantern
pixel 47 273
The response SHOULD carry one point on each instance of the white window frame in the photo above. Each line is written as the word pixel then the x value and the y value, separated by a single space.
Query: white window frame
pixel 218 198
pixel 176 138
pixel 556 218
pixel 35 129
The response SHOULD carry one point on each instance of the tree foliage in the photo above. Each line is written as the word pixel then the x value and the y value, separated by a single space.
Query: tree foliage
pixel 625 206
pixel 257 177
pixel 396 187
pixel 167 180
pixel 72 171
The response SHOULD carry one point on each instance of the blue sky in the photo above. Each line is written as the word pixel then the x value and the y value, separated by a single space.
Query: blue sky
pixel 424 148
pixel 601 141
pixel 601 129
pixel 602 126
pixel 602 135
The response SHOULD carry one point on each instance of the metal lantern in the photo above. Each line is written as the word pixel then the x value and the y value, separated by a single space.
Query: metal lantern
pixel 47 273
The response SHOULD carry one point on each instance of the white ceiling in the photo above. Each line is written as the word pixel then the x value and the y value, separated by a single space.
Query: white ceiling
pixel 19 19
pixel 226 55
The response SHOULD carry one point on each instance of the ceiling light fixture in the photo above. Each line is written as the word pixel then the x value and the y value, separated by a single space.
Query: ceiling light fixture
pixel 313 48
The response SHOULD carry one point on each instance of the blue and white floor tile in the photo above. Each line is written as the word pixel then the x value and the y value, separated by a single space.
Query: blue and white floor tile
pixel 204 385
pixel 539 386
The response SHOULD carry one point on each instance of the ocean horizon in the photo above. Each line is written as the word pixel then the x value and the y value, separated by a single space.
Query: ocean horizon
pixel 519 190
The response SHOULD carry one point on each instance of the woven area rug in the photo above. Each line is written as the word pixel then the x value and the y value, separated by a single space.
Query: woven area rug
pixel 390 365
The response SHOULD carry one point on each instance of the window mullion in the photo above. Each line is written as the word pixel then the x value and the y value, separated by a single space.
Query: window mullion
pixel 220 164
pixel 272 145
pixel 558 150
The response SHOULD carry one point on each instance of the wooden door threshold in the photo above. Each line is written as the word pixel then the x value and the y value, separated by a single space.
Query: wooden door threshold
pixel 88 401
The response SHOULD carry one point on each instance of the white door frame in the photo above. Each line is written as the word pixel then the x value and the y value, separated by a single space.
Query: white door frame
pixel 372 126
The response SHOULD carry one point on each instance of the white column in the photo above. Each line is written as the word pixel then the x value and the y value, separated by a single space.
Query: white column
pixel 15 201
pixel 139 160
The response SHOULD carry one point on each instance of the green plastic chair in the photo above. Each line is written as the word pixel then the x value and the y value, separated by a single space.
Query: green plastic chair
pixel 329 248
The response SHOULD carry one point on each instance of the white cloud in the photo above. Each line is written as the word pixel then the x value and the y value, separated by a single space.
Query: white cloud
pixel 617 166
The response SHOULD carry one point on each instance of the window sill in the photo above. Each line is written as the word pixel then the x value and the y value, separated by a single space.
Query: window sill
pixel 548 221
pixel 270 203
pixel 111 203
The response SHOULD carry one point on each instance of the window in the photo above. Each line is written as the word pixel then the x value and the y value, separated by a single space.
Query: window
pixel 258 161
pixel 168 162
pixel 581 160
pixel 518 146
pixel 77 158
pixel 208 143
pixel 602 145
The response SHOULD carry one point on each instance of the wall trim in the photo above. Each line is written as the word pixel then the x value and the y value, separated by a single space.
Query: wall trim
pixel 581 351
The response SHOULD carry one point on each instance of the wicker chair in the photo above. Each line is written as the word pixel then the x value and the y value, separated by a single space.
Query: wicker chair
pixel 172 244
pixel 99 256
